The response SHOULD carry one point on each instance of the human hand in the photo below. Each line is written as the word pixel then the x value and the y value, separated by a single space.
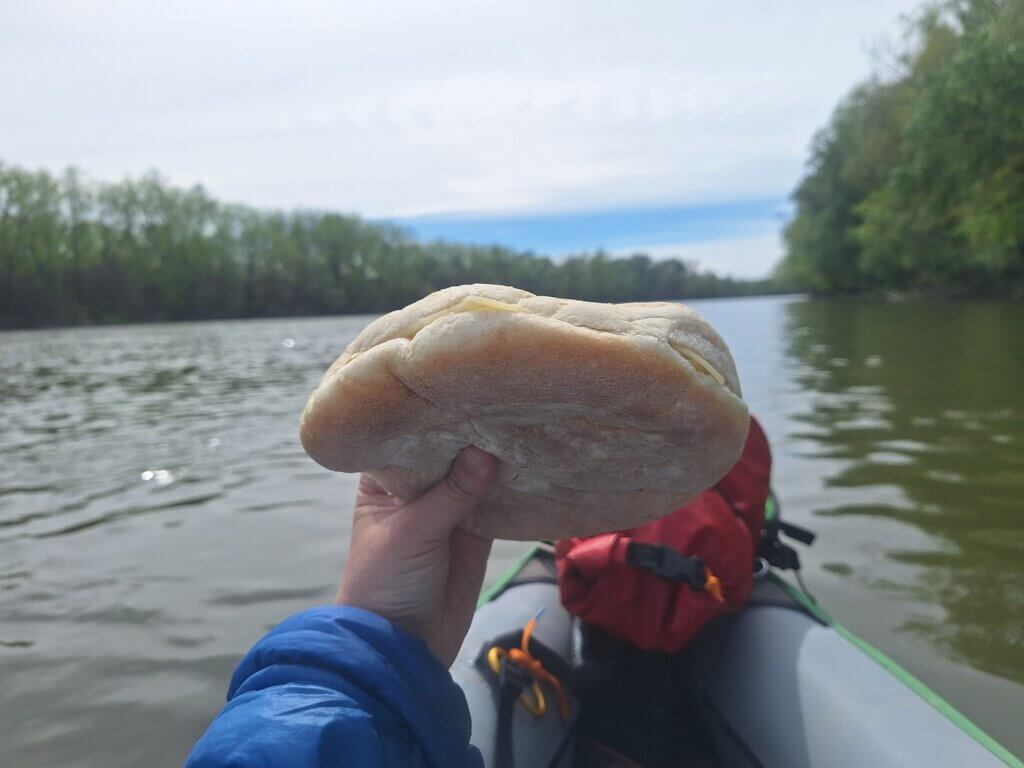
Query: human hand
pixel 410 562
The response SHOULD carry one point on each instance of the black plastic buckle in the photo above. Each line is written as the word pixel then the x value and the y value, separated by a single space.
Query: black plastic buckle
pixel 667 563
pixel 778 554
pixel 513 678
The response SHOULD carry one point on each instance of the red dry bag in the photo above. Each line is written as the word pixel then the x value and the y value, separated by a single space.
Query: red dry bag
pixel 658 584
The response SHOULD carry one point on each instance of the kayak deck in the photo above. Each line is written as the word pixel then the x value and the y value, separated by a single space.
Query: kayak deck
pixel 776 684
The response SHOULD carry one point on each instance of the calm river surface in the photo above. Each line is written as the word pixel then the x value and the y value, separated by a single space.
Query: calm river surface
pixel 157 513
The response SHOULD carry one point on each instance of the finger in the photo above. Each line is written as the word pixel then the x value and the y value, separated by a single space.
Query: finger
pixel 446 504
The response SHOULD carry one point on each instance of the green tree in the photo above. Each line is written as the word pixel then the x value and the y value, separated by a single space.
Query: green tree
pixel 72 251
pixel 918 182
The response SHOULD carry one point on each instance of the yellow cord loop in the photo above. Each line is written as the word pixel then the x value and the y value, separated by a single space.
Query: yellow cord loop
pixel 522 657
pixel 536 706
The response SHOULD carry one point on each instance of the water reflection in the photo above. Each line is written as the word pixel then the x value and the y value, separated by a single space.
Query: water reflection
pixel 925 417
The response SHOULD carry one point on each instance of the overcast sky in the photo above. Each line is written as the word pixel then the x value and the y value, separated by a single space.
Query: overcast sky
pixel 459 111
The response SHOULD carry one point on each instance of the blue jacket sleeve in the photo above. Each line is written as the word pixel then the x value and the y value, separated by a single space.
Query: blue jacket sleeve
pixel 339 686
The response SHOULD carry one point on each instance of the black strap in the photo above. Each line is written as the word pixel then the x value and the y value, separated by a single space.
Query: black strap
pixel 802 535
pixel 667 563
pixel 770 548
pixel 511 683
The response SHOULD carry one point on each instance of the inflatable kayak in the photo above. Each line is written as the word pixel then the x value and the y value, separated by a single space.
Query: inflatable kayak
pixel 778 684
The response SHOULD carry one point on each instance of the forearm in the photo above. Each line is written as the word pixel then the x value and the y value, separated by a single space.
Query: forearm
pixel 339 686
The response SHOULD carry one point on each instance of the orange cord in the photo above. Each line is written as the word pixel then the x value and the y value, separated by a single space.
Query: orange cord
pixel 522 657
pixel 713 586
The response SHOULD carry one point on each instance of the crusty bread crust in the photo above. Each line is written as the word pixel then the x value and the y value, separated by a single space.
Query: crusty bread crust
pixel 603 416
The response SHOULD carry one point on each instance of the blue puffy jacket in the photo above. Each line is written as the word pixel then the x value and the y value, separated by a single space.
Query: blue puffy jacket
pixel 339 686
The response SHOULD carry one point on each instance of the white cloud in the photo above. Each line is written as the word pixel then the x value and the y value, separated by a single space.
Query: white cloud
pixel 399 108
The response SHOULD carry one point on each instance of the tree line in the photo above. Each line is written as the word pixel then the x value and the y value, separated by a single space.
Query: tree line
pixel 74 251
pixel 917 183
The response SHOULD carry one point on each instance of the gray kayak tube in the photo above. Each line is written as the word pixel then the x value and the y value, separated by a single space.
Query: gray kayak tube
pixel 784 687
pixel 779 684
pixel 540 742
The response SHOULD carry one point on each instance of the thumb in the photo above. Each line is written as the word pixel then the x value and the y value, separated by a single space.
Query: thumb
pixel 445 505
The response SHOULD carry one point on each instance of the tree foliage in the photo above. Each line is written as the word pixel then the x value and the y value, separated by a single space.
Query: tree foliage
pixel 918 181
pixel 73 251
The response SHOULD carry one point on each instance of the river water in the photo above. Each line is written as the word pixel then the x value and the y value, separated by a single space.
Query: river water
pixel 157 513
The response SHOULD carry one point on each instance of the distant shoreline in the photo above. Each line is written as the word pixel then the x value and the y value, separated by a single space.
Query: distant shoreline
pixel 312 316
pixel 753 289
pixel 881 297
pixel 1009 292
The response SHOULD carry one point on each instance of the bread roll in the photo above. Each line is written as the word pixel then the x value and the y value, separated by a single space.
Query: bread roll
pixel 603 416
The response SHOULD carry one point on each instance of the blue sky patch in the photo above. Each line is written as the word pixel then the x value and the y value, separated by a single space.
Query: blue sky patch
pixel 611 229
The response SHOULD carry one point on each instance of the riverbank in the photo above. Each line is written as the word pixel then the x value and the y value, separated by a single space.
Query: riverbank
pixel 755 290
pixel 1009 292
